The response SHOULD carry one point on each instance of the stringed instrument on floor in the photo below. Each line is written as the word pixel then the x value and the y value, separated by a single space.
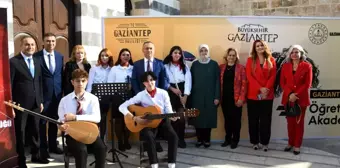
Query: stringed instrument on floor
pixel 82 131
pixel 154 115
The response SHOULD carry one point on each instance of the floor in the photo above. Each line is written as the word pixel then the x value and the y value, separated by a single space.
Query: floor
pixel 315 154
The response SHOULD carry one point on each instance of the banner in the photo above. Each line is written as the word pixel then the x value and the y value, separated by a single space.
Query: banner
pixel 320 37
pixel 8 155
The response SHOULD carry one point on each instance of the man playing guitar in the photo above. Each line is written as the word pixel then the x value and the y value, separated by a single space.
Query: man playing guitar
pixel 81 106
pixel 149 97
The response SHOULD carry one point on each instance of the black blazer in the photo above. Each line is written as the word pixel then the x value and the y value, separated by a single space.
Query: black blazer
pixel 26 90
pixel 69 68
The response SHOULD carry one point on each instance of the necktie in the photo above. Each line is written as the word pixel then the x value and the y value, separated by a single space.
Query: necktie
pixel 30 66
pixel 149 66
pixel 79 107
pixel 50 67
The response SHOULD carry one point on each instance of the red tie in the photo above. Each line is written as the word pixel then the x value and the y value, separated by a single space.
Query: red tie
pixel 79 107
pixel 149 67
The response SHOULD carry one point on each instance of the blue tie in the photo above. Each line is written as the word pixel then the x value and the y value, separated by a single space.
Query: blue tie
pixel 50 63
pixel 30 66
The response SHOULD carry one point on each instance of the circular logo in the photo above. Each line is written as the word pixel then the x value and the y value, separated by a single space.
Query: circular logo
pixel 318 33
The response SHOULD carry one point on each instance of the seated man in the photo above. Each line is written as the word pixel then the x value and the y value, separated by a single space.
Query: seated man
pixel 81 106
pixel 149 97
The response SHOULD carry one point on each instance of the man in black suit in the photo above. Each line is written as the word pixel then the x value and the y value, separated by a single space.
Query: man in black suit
pixel 26 83
pixel 51 70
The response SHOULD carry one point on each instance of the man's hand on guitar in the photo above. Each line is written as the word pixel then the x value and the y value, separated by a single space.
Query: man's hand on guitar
pixel 140 120
pixel 70 117
pixel 174 118
pixel 63 127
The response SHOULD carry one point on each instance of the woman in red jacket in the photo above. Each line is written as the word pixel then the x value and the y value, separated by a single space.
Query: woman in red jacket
pixel 233 93
pixel 261 74
pixel 295 81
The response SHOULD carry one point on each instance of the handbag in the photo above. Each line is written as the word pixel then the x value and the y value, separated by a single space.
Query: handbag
pixel 292 110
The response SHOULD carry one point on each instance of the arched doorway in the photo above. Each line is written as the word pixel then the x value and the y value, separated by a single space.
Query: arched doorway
pixel 37 17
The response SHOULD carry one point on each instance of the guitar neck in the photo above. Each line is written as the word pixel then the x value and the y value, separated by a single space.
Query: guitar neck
pixel 43 117
pixel 161 116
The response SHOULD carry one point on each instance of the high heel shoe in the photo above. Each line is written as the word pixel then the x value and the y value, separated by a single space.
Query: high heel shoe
pixel 296 151
pixel 288 148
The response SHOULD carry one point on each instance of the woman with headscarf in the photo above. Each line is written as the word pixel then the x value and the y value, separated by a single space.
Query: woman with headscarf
pixel 205 94
pixel 295 81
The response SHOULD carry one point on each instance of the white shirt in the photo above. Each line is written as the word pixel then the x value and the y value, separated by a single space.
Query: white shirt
pixel 118 74
pixel 176 75
pixel 161 99
pixel 46 57
pixel 90 106
pixel 26 60
pixel 146 64
pixel 97 74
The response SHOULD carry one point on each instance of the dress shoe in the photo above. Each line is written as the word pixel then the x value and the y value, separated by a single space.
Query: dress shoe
pixel 198 144
pixel 296 152
pixel 225 143
pixel 57 151
pixel 206 144
pixel 40 160
pixel 182 144
pixel 44 154
pixel 288 148
pixel 233 145
pixel 159 147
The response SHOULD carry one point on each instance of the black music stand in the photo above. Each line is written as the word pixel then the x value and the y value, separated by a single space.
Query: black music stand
pixel 104 92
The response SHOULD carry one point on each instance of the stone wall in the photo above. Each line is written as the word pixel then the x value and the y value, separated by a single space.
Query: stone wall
pixel 330 8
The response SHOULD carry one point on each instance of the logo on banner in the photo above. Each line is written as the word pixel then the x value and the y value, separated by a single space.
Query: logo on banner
pixel 318 33
pixel 252 32
pixel 132 33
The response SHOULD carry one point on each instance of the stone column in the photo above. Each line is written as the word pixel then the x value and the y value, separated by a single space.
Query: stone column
pixel 155 7
pixel 89 14
pixel 8 5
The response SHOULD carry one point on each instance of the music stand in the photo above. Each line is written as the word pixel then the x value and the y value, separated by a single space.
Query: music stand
pixel 104 92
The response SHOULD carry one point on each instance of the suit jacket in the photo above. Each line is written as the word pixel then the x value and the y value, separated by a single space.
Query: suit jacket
pixel 26 90
pixel 159 70
pixel 298 83
pixel 52 83
pixel 259 77
pixel 69 68
pixel 240 82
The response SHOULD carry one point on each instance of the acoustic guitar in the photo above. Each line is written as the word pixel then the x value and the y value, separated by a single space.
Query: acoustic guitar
pixel 82 131
pixel 154 115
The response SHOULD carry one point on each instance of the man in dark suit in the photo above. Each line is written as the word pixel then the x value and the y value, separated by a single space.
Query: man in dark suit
pixel 51 63
pixel 149 63
pixel 26 85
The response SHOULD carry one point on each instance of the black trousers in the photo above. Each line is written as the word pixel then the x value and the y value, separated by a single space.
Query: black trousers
pixel 21 121
pixel 52 112
pixel 104 108
pixel 232 120
pixel 259 120
pixel 147 134
pixel 178 125
pixel 203 134
pixel 79 151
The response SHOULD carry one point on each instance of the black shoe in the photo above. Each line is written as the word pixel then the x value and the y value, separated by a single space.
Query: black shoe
pixel 206 144
pixel 182 144
pixel 296 152
pixel 225 143
pixel 159 147
pixel 198 144
pixel 40 160
pixel 121 147
pixel 287 148
pixel 57 151
pixel 256 147
pixel 127 145
pixel 233 145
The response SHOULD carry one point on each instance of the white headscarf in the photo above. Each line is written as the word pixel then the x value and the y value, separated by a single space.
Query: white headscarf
pixel 207 56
